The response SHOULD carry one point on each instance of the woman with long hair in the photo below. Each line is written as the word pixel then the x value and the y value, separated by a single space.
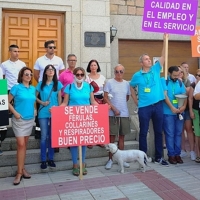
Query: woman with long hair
pixel 94 75
pixel 50 95
pixel 23 117
pixel 187 120
pixel 194 111
pixel 79 93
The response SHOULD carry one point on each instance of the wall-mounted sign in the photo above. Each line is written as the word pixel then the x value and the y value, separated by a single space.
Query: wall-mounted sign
pixel 95 39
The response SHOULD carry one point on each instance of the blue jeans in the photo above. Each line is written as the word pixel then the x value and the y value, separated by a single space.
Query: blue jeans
pixel 173 130
pixel 74 154
pixel 154 112
pixel 45 141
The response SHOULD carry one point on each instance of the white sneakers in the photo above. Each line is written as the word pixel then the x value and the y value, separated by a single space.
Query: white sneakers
pixel 193 155
pixel 110 163
pixel 183 153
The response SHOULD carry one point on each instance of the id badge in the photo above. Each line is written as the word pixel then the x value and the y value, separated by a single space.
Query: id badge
pixel 175 101
pixel 147 90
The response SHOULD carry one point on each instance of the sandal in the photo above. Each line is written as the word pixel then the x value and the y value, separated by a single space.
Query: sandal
pixel 18 179
pixel 75 171
pixel 197 160
pixel 26 175
pixel 84 171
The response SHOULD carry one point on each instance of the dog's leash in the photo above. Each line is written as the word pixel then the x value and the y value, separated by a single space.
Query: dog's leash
pixel 115 152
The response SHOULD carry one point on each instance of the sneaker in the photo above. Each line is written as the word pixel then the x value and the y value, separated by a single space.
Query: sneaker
pixel 109 164
pixel 51 164
pixel 192 155
pixel 43 165
pixel 162 161
pixel 183 153
pixel 1 153
pixel 126 165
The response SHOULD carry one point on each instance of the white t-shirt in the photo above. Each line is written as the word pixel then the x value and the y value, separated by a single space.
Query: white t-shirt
pixel 43 61
pixel 11 70
pixel 119 91
pixel 196 89
pixel 1 73
pixel 100 82
pixel 191 78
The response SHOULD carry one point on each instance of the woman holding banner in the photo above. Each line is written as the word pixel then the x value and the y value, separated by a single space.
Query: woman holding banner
pixel 73 92
pixel 23 117
pixel 50 95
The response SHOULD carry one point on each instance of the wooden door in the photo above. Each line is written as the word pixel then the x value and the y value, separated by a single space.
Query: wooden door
pixel 131 50
pixel 29 31
pixel 17 30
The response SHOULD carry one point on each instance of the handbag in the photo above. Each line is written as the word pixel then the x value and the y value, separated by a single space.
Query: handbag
pixel 94 85
pixel 47 99
pixel 99 101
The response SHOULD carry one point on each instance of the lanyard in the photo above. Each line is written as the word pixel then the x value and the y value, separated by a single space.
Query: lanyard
pixel 147 77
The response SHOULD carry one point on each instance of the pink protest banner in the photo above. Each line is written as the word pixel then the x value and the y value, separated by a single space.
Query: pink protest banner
pixel 172 16
pixel 80 125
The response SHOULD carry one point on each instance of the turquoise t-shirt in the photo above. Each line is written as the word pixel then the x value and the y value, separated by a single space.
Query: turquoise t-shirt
pixel 43 112
pixel 24 100
pixel 79 96
pixel 173 88
pixel 149 85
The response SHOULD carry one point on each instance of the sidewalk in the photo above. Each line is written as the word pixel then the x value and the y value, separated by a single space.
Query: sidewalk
pixel 175 182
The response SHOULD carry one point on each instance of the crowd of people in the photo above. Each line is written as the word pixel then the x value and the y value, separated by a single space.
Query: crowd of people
pixel 57 86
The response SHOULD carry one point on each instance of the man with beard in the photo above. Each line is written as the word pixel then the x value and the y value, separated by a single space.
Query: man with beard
pixel 173 122
pixel 40 64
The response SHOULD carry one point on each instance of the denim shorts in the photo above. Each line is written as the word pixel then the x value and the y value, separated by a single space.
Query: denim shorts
pixel 119 125
pixel 187 115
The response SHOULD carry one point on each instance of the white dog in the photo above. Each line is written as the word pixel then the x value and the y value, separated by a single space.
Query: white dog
pixel 122 156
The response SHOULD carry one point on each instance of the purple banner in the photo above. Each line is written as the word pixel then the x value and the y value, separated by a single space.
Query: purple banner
pixel 172 16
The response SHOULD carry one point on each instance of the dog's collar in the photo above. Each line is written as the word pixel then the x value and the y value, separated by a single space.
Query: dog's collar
pixel 115 152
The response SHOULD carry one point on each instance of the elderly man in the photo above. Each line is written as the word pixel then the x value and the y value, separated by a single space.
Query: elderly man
pixel 67 76
pixel 150 94
pixel 116 94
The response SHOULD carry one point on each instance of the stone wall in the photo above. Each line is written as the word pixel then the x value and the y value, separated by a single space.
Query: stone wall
pixel 131 7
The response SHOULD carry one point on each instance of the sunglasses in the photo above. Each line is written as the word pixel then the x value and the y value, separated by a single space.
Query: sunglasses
pixel 52 47
pixel 119 72
pixel 82 75
pixel 72 60
pixel 198 75
pixel 27 74
pixel 50 69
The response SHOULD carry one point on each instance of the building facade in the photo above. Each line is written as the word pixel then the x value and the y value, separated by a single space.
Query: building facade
pixel 68 22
